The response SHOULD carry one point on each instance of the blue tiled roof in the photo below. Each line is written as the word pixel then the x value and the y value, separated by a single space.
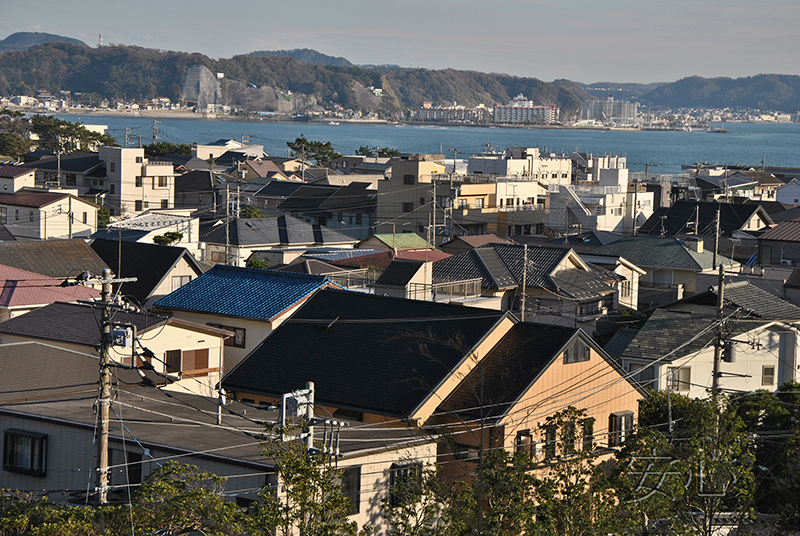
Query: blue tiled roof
pixel 243 292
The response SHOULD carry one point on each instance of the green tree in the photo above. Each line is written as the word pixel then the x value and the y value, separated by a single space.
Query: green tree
pixel 162 148
pixel 168 238
pixel 250 211
pixel 255 262
pixel 63 136
pixel 103 217
pixel 178 499
pixel 423 508
pixel 13 145
pixel 308 495
pixel 316 151
pixel 385 152
pixel 707 458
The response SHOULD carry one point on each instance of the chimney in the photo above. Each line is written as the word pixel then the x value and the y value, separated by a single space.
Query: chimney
pixel 695 244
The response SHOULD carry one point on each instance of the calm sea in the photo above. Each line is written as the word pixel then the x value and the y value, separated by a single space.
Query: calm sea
pixel 746 143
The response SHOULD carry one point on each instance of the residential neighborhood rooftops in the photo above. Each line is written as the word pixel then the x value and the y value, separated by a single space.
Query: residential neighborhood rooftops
pixel 752 300
pixel 244 292
pixel 56 258
pixel 32 199
pixel 679 218
pixel 149 263
pixel 21 288
pixel 651 251
pixel 786 231
pixel 9 172
pixel 382 355
pixel 283 230
pixel 402 240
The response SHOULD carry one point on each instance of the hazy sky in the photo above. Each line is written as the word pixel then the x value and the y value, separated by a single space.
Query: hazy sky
pixel 582 40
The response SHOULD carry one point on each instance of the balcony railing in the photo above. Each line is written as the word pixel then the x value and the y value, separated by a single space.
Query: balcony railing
pixel 363 277
pixel 448 291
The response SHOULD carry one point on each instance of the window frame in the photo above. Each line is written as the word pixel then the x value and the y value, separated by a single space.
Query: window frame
pixel 764 375
pixel 620 426
pixel 676 382
pixel 351 488
pixel 36 455
pixel 572 355
pixel 398 474
pixel 239 335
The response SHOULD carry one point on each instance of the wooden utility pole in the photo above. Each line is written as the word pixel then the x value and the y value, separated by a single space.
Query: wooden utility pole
pixel 104 403
pixel 719 342
pixel 524 279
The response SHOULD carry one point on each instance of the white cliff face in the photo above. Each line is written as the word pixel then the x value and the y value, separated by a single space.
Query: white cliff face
pixel 201 85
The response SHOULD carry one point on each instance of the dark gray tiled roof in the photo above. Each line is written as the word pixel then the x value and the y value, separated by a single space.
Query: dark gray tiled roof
pixel 363 352
pixel 399 273
pixel 654 252
pixel 755 301
pixel 732 218
pixel 674 334
pixel 70 322
pixel 148 263
pixel 616 346
pixel 283 230
pixel 56 258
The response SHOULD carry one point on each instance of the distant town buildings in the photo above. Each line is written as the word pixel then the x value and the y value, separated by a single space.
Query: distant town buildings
pixel 610 111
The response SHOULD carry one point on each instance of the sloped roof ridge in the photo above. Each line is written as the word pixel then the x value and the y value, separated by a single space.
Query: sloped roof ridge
pixel 266 271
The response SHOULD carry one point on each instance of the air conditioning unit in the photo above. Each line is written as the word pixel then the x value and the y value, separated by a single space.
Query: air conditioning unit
pixel 786 262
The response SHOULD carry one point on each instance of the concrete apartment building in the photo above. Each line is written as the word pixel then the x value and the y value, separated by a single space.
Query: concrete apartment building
pixel 121 179
pixel 610 111
pixel 520 110
pixel 519 162
pixel 476 203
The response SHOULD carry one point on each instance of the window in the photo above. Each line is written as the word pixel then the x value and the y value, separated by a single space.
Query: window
pixel 72 179
pixel 137 205
pixel 138 181
pixel 238 338
pixel 112 188
pixel 524 443
pixel 173 360
pixel 549 442
pixel 31 215
pixel 679 378
pixel 588 433
pixel 642 374
pixel 568 437
pixel 625 289
pixel 194 359
pixel 662 277
pixel 479 202
pixel 179 280
pixel 768 375
pixel 463 203
pixel 401 479
pixel 86 218
pixel 351 488
pixel 162 182
pixel 16 215
pixel 408 207
pixel 138 159
pixel 24 452
pixel 358 219
pixel 576 353
pixel 113 167
pixel 620 425
pixel 3 215
pixel 165 203
pixel 408 179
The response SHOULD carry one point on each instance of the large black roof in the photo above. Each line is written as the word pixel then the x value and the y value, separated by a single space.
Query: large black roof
pixel 363 352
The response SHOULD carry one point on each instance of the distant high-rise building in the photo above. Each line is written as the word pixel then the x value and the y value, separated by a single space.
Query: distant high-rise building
pixel 521 110
pixel 609 110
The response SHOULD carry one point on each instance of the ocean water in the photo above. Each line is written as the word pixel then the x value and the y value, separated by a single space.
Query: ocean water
pixel 778 144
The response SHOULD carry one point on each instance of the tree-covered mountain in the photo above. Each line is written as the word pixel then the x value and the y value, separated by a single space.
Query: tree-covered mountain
pixel 282 83
pixel 620 91
pixel 307 55
pixel 134 72
pixel 25 40
pixel 764 91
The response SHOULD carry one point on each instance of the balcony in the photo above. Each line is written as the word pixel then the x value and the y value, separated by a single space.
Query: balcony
pixel 445 292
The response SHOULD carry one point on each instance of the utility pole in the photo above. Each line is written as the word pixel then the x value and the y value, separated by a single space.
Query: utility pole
pixel 719 337
pixel 105 390
pixel 716 237
pixel 524 279
pixel 104 400
pixel 156 130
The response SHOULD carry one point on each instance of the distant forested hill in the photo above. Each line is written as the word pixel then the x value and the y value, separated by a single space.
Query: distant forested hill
pixel 764 91
pixel 25 40
pixel 133 72
pixel 264 82
pixel 307 55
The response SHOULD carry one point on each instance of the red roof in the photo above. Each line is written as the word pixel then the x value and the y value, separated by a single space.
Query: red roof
pixel 19 288
pixel 381 260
